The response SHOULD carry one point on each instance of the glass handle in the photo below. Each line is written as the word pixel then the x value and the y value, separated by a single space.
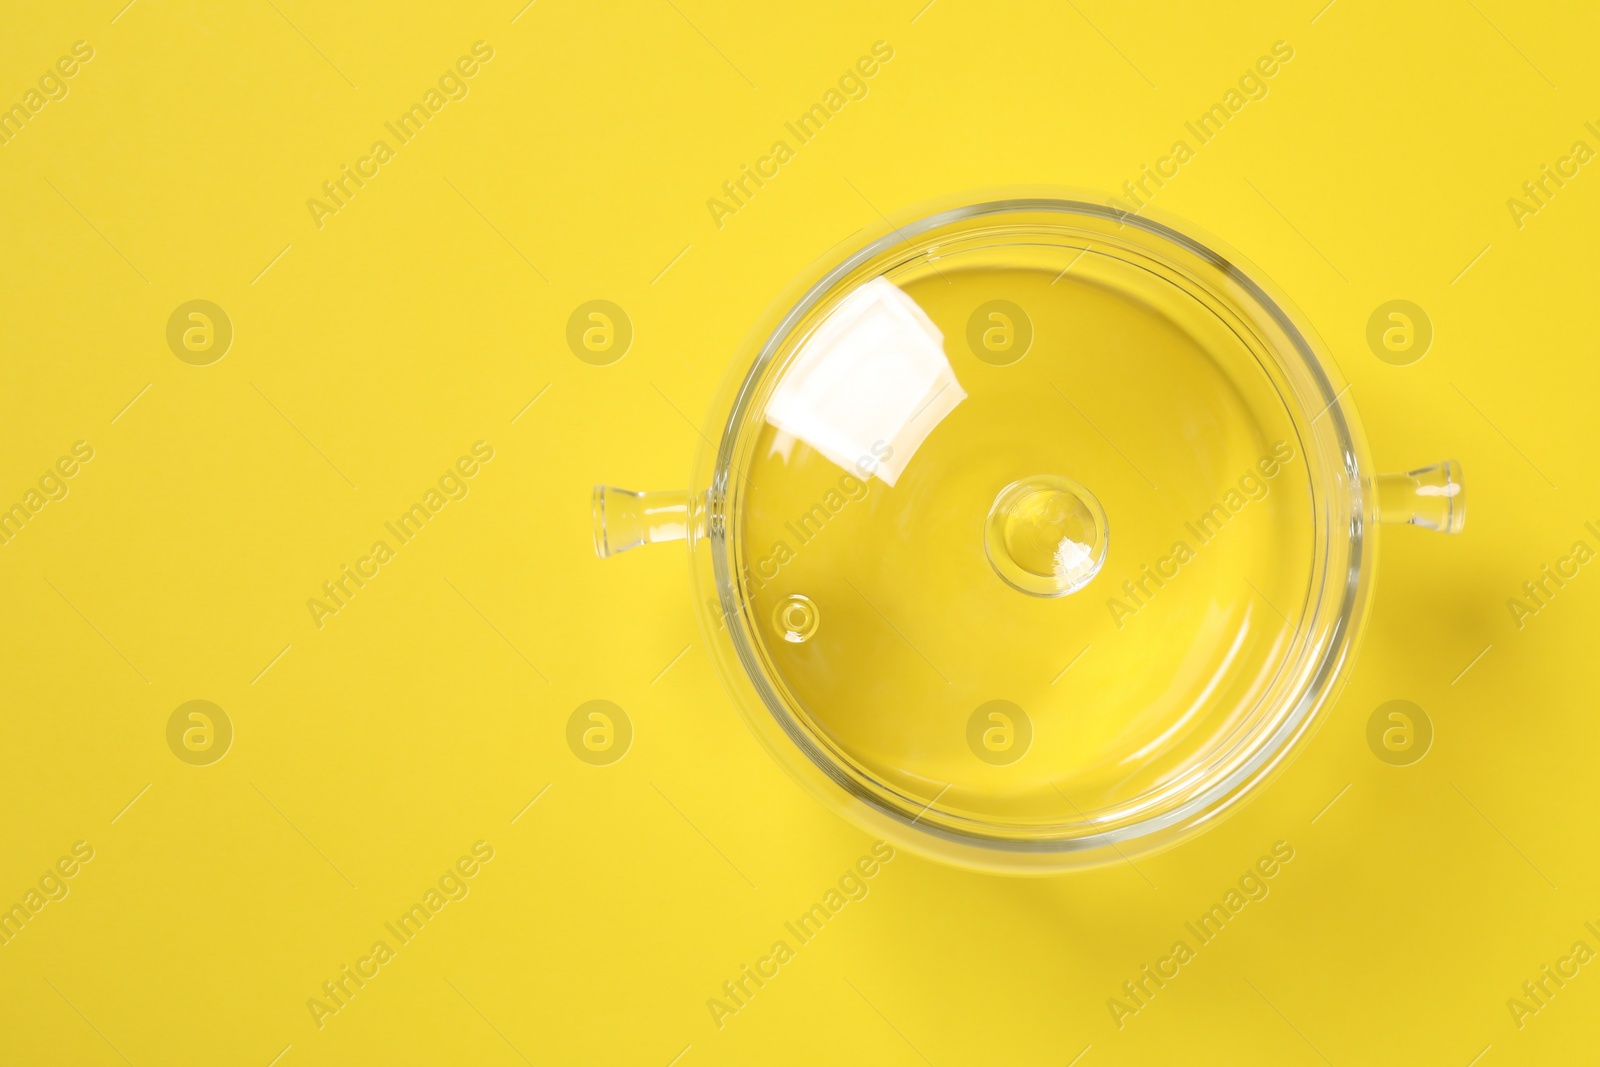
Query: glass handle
pixel 1431 497
pixel 624 519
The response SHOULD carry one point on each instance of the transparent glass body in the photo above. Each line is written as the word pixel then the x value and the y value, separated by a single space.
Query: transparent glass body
pixel 1036 533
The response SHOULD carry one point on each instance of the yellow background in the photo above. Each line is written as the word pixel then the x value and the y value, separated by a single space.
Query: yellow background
pixel 422 718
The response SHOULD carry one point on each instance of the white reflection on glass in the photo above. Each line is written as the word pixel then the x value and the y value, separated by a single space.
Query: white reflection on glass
pixel 870 384
pixel 1074 563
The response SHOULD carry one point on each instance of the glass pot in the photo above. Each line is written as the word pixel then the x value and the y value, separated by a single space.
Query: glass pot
pixel 1037 533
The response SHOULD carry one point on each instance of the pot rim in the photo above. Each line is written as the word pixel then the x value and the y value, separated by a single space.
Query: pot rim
pixel 972 847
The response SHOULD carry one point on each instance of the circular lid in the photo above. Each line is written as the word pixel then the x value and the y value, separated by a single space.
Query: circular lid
pixel 1020 526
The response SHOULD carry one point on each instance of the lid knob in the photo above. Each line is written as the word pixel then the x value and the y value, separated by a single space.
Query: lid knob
pixel 1046 535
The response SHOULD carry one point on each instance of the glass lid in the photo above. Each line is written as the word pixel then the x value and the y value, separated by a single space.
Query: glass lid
pixel 1019 527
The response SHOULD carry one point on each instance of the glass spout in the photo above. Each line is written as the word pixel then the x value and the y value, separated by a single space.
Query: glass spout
pixel 624 519
pixel 1430 497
